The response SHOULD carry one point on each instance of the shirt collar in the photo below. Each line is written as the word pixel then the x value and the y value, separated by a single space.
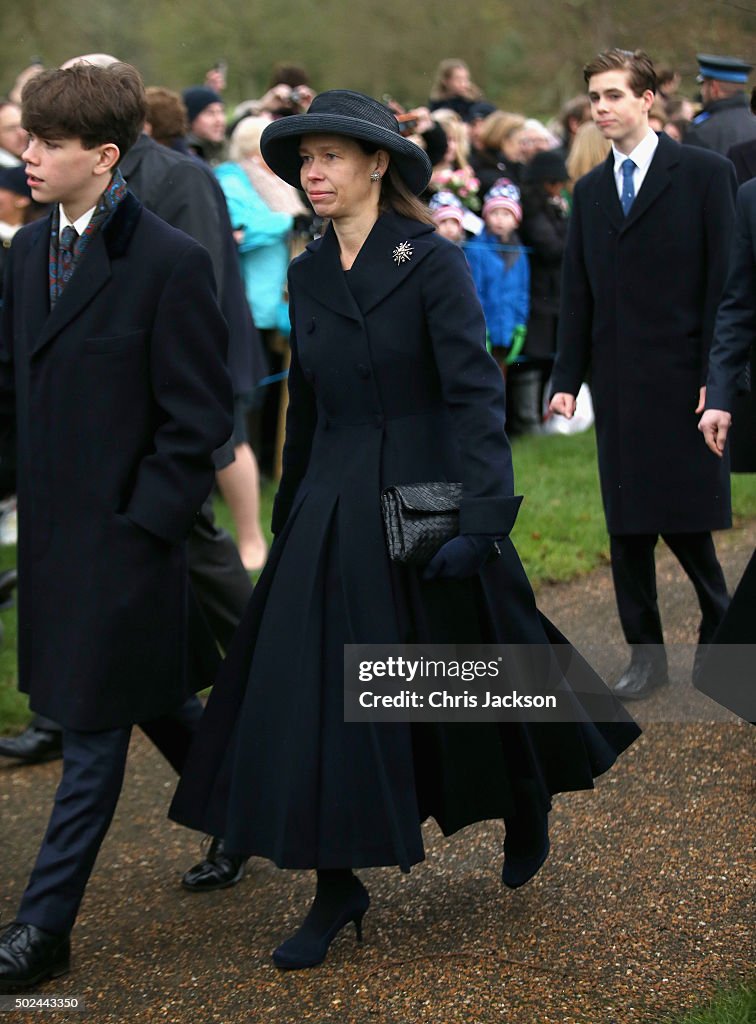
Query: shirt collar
pixel 641 156
pixel 79 225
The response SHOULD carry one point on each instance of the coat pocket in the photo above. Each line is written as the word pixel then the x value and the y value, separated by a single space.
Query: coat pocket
pixel 116 343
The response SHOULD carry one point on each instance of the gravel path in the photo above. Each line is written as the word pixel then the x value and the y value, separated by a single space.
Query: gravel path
pixel 642 909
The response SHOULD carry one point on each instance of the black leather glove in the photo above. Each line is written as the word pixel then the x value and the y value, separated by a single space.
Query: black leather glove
pixel 461 557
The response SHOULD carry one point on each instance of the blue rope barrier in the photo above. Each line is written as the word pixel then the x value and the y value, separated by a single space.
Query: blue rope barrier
pixel 272 379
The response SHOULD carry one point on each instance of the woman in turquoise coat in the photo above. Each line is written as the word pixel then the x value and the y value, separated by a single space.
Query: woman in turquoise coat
pixel 390 383
pixel 262 209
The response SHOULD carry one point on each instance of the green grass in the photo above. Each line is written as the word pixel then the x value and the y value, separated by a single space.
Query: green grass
pixel 560 532
pixel 733 1006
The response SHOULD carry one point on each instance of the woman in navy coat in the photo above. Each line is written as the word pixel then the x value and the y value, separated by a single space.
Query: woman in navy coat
pixel 390 383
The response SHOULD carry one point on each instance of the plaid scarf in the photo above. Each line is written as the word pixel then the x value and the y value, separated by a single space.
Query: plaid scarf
pixel 63 260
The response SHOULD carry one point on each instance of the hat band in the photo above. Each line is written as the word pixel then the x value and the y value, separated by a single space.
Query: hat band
pixel 739 77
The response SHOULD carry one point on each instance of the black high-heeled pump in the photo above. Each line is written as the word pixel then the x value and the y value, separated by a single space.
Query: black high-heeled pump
pixel 338 901
pixel 532 834
pixel 516 871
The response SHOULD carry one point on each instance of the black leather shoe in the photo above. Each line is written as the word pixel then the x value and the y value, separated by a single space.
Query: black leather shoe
pixel 640 679
pixel 29 956
pixel 33 745
pixel 219 870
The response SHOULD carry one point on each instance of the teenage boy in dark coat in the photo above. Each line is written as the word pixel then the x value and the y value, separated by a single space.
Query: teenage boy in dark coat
pixel 184 192
pixel 646 261
pixel 113 353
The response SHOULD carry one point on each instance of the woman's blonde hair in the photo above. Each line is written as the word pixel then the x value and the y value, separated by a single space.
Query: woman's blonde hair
pixel 589 149
pixel 498 127
pixel 245 139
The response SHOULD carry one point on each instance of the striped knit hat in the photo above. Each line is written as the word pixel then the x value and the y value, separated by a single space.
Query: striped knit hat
pixel 503 194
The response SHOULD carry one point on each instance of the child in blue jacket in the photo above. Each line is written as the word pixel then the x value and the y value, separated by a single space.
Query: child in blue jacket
pixel 501 272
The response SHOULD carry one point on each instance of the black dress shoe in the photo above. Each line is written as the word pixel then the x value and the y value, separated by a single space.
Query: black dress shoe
pixel 640 679
pixel 219 870
pixel 29 956
pixel 33 745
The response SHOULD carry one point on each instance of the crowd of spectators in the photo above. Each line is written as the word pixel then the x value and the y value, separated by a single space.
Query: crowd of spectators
pixel 480 150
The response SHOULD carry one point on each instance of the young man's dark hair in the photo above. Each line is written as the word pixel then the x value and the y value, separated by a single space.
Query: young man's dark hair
pixel 641 76
pixel 94 104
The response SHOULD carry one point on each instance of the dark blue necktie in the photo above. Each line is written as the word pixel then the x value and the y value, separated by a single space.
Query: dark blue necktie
pixel 68 238
pixel 628 188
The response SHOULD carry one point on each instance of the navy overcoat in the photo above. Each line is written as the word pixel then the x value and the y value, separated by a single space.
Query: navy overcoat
pixel 121 396
pixel 733 353
pixel 639 297
pixel 390 383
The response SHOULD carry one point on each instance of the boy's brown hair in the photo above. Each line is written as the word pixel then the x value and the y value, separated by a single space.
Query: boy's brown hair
pixel 641 74
pixel 93 104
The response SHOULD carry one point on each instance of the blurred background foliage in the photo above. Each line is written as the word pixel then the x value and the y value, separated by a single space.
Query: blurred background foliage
pixel 525 54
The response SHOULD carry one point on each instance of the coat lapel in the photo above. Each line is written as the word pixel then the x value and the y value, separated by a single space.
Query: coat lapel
pixel 657 180
pixel 321 275
pixel 607 193
pixel 392 251
pixel 91 275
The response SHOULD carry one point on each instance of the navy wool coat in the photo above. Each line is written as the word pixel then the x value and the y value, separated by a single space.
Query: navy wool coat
pixel 732 365
pixel 390 383
pixel 121 396
pixel 639 298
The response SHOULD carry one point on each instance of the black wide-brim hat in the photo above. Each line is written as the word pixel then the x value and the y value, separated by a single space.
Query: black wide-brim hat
pixel 343 112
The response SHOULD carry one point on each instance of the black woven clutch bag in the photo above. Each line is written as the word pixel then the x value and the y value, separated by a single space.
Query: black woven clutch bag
pixel 419 518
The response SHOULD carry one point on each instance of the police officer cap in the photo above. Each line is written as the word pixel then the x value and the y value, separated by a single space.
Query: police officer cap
pixel 723 69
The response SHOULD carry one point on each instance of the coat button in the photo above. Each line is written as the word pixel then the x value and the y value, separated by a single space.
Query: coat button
pixel 364 371
pixel 311 326
pixel 308 374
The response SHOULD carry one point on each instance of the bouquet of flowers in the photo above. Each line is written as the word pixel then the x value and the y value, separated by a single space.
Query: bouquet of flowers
pixel 462 183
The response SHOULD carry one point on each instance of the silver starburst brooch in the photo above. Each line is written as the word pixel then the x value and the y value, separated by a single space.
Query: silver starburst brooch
pixel 402 253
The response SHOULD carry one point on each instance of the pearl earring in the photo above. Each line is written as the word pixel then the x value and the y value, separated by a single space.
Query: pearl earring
pixel 375 176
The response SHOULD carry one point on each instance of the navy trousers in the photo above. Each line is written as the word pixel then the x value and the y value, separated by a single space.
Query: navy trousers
pixel 85 801
pixel 634 573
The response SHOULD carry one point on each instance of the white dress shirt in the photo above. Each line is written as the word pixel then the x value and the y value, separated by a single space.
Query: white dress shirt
pixel 79 225
pixel 641 156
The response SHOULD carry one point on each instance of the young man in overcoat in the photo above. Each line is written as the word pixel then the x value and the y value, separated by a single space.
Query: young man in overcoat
pixel 113 367
pixel 644 269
